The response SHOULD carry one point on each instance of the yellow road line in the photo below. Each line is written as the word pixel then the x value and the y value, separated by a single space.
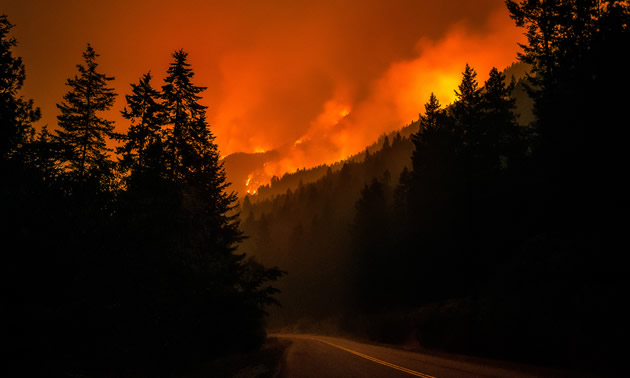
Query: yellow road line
pixel 409 371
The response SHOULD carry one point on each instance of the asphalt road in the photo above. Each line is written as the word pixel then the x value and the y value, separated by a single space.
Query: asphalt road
pixel 322 356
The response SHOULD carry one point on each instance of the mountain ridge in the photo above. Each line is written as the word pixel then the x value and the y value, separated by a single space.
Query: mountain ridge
pixel 241 166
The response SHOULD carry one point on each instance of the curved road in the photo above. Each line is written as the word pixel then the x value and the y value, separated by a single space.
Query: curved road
pixel 323 356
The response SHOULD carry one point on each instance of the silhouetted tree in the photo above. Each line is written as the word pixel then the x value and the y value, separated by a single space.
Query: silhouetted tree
pixel 180 231
pixel 43 153
pixel 142 150
pixel 430 123
pixel 574 48
pixel 189 137
pixel 83 133
pixel 501 141
pixel 466 110
pixel 433 158
pixel 16 113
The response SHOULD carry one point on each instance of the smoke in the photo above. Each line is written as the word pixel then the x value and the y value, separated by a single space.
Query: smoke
pixel 344 124
pixel 313 81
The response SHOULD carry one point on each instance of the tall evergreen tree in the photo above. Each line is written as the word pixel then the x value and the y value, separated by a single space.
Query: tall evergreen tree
pixel 500 138
pixel 16 113
pixel 193 156
pixel 433 147
pixel 466 109
pixel 189 138
pixel 84 133
pixel 579 86
pixel 142 150
pixel 575 50
pixel 429 124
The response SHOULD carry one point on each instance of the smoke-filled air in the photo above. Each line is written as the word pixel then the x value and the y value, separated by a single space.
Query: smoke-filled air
pixel 315 81
pixel 324 188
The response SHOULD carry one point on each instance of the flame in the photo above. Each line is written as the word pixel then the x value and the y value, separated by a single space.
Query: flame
pixel 255 180
pixel 350 116
pixel 249 190
pixel 326 78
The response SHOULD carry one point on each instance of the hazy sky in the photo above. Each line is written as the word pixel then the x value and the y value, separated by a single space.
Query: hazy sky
pixel 324 77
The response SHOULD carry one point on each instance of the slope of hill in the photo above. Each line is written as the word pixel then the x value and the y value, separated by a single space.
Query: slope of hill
pixel 241 166
pixel 305 230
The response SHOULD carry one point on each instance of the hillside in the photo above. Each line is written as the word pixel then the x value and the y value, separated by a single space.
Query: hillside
pixel 305 230
pixel 240 166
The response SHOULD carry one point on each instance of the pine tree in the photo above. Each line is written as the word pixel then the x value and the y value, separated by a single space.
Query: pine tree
pixel 84 134
pixel 430 123
pixel 142 150
pixel 42 154
pixel 501 136
pixel 180 229
pixel 386 145
pixel 540 20
pixel 189 142
pixel 575 48
pixel 433 164
pixel 212 233
pixel 194 164
pixel 429 120
pixel 16 113
pixel 466 109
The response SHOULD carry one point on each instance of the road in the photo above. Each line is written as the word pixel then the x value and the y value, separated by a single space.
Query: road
pixel 322 356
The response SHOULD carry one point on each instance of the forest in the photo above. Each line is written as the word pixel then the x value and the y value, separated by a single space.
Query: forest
pixel 492 229
pixel 127 262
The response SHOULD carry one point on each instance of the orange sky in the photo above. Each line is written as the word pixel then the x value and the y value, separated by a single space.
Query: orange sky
pixel 320 78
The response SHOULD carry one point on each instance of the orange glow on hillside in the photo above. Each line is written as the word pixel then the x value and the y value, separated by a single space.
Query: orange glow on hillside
pixel 313 81
pixel 250 187
pixel 344 127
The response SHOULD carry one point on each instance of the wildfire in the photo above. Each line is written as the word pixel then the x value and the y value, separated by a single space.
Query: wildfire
pixel 351 117
pixel 247 183
pixel 254 180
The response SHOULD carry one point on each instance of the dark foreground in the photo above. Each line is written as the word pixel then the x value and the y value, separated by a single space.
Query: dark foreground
pixel 323 356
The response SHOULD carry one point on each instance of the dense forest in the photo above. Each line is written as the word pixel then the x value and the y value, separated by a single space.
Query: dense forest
pixel 494 227
pixel 488 231
pixel 120 260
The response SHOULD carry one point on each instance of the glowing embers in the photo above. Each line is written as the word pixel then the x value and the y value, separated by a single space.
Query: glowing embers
pixel 254 180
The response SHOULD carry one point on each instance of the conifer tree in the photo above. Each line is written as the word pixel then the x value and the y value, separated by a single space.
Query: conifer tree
pixel 189 141
pixel 501 136
pixel 16 113
pixel 466 109
pixel 84 133
pixel 432 162
pixel 429 120
pixel 194 157
pixel 576 52
pixel 142 150
pixel 430 123
pixel 42 154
